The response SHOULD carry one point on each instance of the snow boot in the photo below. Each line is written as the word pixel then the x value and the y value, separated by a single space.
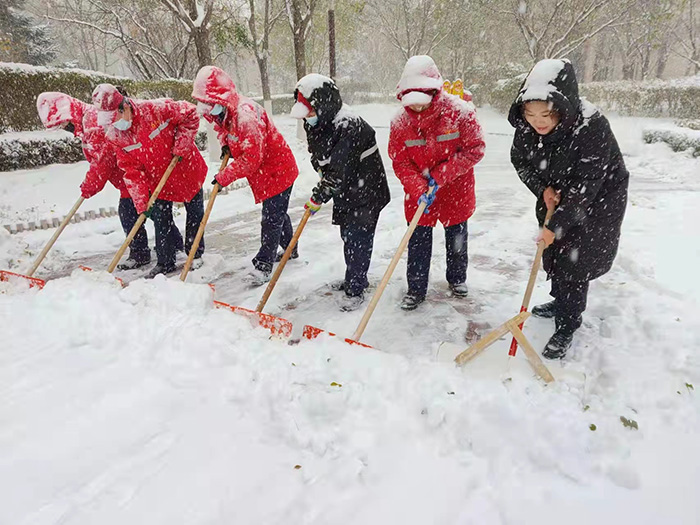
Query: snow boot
pixel 350 303
pixel 258 277
pixel 459 290
pixel 411 301
pixel 558 344
pixel 133 263
pixel 197 263
pixel 546 310
pixel 159 268
pixel 295 255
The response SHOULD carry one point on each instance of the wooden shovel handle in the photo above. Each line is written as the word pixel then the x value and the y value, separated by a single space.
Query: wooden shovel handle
pixel 531 282
pixel 203 224
pixel 390 270
pixel 142 217
pixel 54 237
pixel 283 262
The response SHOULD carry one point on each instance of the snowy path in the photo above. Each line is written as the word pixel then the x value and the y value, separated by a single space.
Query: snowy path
pixel 188 416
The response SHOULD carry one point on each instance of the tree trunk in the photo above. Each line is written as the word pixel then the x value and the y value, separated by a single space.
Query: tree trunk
pixel 201 44
pixel 662 58
pixel 264 77
pixel 300 54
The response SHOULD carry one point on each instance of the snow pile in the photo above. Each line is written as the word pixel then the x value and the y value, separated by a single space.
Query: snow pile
pixel 12 250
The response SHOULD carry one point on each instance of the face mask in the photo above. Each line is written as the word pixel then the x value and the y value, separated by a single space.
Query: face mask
pixel 312 121
pixel 217 109
pixel 70 128
pixel 122 125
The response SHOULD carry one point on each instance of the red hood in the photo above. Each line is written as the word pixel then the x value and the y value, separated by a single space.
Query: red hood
pixel 213 86
pixel 56 108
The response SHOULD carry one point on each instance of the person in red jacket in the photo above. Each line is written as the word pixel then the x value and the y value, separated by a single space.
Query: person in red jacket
pixel 259 153
pixel 146 135
pixel 58 110
pixel 435 140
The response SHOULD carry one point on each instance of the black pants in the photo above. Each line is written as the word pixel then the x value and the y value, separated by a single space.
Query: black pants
pixel 571 298
pixel 138 249
pixel 275 230
pixel 168 237
pixel 420 250
pixel 358 242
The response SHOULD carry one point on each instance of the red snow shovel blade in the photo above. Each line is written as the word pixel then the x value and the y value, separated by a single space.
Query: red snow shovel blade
pixel 311 332
pixel 277 326
pixel 32 281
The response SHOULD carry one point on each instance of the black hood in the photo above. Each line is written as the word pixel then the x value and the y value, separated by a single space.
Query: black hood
pixel 326 101
pixel 550 80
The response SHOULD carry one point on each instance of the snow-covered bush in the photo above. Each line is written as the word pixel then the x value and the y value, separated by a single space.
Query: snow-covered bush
pixel 21 84
pixel 679 139
pixel 678 98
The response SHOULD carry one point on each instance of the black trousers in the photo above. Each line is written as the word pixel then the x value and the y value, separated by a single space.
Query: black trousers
pixel 168 237
pixel 420 250
pixel 358 242
pixel 275 230
pixel 138 249
pixel 571 298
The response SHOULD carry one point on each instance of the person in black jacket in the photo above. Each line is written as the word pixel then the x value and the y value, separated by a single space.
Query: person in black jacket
pixel 344 153
pixel 566 154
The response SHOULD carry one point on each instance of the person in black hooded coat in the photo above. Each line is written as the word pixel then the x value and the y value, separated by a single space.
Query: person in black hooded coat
pixel 344 152
pixel 566 154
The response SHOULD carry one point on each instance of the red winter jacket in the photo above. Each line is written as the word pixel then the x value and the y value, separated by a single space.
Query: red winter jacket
pixel 160 129
pixel 57 108
pixel 446 141
pixel 258 151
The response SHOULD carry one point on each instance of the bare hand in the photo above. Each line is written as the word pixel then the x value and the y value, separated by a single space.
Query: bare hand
pixel 547 236
pixel 551 197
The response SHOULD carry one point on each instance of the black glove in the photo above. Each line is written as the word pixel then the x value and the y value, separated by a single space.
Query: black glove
pixel 225 150
pixel 325 189
pixel 215 182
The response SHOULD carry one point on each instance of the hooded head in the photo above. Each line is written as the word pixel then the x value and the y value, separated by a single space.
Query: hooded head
pixel 58 109
pixel 552 81
pixel 213 87
pixel 420 81
pixel 108 100
pixel 318 93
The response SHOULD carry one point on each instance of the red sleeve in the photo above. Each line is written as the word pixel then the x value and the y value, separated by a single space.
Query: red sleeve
pixel 102 166
pixel 471 151
pixel 414 184
pixel 134 179
pixel 250 139
pixel 184 117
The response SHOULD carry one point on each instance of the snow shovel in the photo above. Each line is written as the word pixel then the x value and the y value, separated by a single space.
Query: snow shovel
pixel 311 332
pixel 531 283
pixel 203 224
pixel 142 217
pixel 283 261
pixel 33 281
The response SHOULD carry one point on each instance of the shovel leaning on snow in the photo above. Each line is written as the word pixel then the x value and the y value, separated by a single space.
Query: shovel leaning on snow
pixel 33 281
pixel 311 332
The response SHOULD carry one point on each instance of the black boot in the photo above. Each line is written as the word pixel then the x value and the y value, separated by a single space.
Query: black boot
pixel 459 290
pixel 132 263
pixel 546 310
pixel 411 301
pixel 558 345
pixel 295 255
pixel 159 268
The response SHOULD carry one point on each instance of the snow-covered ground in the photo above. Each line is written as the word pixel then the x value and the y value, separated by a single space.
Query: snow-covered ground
pixel 146 405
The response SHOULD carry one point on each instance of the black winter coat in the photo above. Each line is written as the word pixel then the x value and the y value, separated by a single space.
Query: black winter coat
pixel 344 151
pixel 580 158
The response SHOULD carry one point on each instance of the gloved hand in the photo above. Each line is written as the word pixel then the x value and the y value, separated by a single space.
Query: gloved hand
pixel 178 157
pixel 225 150
pixel 148 212
pixel 312 206
pixel 428 198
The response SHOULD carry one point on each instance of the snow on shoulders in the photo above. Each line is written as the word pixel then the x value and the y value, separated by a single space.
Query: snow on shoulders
pixel 588 109
pixel 344 116
pixel 463 106
pixel 312 81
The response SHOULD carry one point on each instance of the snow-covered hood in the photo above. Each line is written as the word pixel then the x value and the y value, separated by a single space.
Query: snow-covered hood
pixel 57 108
pixel 550 80
pixel 419 74
pixel 323 95
pixel 213 86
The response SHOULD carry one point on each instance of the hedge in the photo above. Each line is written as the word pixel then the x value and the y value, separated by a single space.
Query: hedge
pixel 27 152
pixel 679 139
